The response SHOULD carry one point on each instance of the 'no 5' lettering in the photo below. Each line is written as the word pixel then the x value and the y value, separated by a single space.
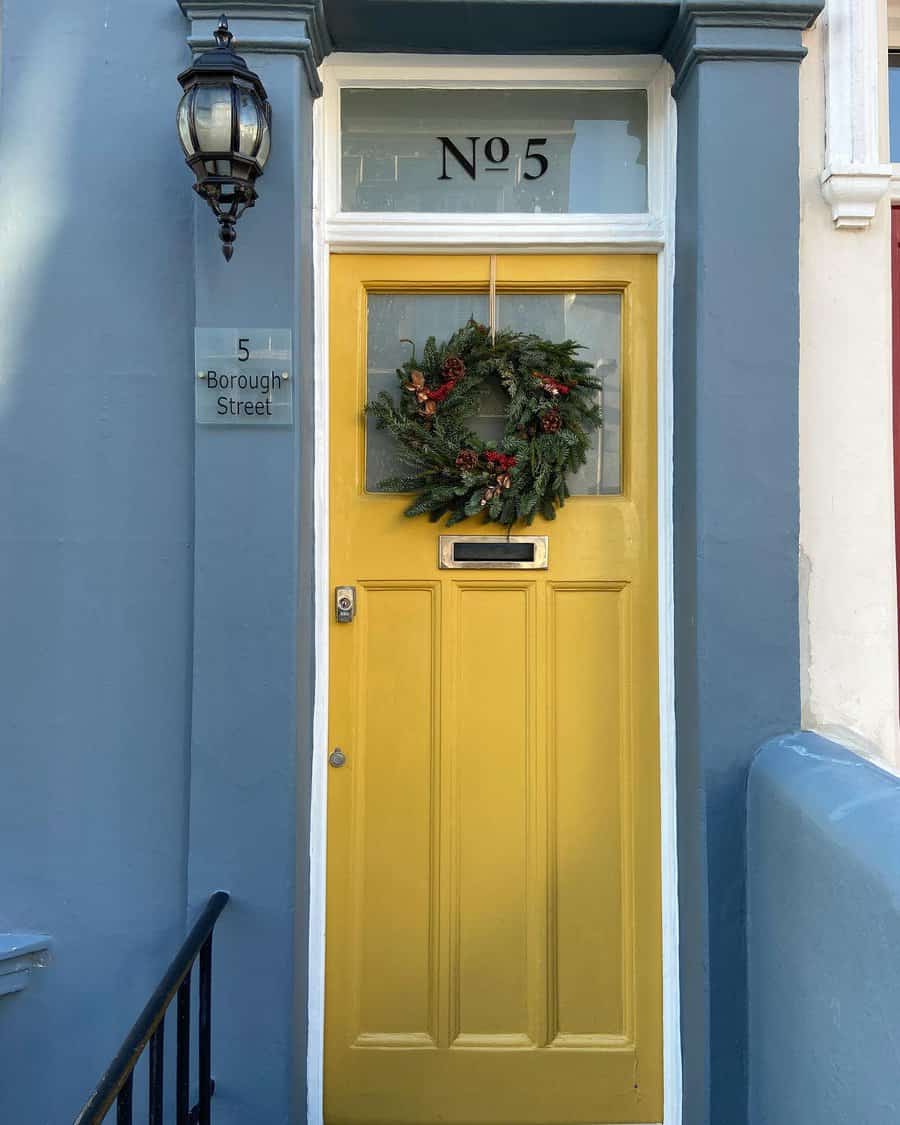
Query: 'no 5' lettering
pixel 496 153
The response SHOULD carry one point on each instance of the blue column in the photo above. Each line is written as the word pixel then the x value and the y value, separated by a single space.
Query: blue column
pixel 252 661
pixel 736 491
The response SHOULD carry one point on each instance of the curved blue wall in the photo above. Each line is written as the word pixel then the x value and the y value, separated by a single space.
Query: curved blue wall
pixel 824 936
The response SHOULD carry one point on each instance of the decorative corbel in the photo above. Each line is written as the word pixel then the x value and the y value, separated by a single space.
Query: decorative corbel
pixel 854 178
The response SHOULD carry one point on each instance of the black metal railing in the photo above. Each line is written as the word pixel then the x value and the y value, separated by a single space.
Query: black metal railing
pixel 117 1084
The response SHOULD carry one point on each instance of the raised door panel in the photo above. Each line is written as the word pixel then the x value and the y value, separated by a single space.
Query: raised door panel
pixel 493 751
pixel 393 871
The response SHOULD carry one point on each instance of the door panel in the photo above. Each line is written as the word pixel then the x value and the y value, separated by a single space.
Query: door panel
pixel 491 904
pixel 493 919
pixel 396 945
pixel 584 793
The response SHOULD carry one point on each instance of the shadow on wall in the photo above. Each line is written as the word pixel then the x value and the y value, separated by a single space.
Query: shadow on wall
pixel 96 463
pixel 824 931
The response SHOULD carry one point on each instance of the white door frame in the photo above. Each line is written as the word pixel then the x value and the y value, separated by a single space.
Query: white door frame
pixel 652 231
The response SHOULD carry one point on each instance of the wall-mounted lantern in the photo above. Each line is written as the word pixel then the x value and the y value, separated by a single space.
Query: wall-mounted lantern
pixel 223 125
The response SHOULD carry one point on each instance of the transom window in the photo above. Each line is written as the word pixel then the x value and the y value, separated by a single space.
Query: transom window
pixel 478 151
pixel 489 151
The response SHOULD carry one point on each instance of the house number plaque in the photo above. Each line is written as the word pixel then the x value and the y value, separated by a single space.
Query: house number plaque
pixel 243 377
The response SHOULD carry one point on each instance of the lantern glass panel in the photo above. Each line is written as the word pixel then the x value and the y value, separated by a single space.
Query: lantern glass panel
pixel 212 118
pixel 184 125
pixel 263 155
pixel 249 123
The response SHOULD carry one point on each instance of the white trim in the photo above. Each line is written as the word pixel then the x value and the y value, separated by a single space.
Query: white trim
pixel 365 230
pixel 855 177
pixel 448 235
pixel 654 232
pixel 666 157
pixel 318 819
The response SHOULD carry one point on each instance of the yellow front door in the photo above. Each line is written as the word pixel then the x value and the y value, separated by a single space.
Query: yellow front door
pixel 493 937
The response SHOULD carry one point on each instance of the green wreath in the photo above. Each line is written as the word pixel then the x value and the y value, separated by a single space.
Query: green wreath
pixel 551 415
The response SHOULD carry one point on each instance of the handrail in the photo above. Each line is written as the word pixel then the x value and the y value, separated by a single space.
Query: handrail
pixel 116 1083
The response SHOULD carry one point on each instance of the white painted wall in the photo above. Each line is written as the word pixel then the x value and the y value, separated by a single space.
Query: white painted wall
pixel 848 605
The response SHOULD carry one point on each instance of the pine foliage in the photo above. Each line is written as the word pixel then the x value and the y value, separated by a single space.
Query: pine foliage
pixel 551 414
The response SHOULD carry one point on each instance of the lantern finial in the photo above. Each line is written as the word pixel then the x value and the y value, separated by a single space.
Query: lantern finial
pixel 222 35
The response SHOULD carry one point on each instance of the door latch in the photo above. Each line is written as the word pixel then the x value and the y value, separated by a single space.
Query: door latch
pixel 344 604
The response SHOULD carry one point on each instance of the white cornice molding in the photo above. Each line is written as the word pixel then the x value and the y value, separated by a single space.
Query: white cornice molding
pixel 854 178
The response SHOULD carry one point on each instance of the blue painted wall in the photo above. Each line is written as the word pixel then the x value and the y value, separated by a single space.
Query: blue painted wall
pixel 824 933
pixel 736 506
pixel 156 655
pixel 96 564
pixel 253 619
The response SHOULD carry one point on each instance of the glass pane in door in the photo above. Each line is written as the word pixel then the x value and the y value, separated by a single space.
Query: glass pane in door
pixel 398 326
pixel 400 323
pixel 595 321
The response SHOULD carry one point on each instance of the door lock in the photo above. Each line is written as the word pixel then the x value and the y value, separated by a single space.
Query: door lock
pixel 336 758
pixel 344 604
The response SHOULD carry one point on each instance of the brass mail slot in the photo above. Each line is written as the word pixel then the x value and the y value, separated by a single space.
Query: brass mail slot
pixel 493 552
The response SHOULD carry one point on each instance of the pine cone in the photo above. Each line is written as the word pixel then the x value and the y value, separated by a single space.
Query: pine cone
pixel 467 460
pixel 453 368
pixel 551 422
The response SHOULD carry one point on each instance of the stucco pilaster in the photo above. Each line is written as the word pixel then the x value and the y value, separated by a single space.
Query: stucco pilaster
pixel 736 491
pixel 252 656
